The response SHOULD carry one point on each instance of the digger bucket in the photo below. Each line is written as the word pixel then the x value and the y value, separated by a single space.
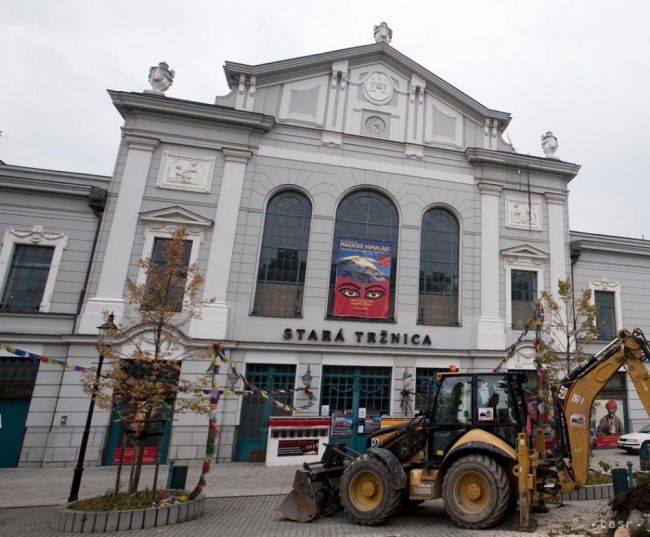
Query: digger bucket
pixel 301 504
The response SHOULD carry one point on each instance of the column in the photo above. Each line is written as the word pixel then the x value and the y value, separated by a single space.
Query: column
pixel 491 328
pixel 214 317
pixel 124 221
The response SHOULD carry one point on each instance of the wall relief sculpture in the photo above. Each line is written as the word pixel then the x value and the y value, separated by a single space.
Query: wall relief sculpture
pixel 179 171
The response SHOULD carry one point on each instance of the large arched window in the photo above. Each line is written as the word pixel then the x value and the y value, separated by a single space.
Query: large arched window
pixel 366 215
pixel 281 274
pixel 438 302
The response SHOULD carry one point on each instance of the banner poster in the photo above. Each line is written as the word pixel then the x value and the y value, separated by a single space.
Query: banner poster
pixel 342 425
pixel 362 278
pixel 298 447
pixel 607 421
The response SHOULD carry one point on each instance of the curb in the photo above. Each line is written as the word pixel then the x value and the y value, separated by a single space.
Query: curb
pixel 591 492
pixel 66 520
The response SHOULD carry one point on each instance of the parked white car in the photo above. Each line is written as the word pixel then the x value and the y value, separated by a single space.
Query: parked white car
pixel 635 441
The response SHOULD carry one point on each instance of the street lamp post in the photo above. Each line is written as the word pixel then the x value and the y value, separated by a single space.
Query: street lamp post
pixel 103 340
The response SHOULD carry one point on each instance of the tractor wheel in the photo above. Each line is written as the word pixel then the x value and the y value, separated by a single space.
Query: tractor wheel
pixel 476 492
pixel 367 494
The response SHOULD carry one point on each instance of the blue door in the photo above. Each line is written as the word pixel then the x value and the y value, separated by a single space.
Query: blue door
pixel 13 413
pixel 354 395
pixel 253 427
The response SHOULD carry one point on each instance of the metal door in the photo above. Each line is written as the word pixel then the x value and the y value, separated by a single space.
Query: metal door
pixel 349 390
pixel 256 409
pixel 13 413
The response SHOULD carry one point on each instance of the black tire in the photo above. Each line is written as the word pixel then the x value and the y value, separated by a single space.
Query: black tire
pixel 645 445
pixel 476 492
pixel 367 494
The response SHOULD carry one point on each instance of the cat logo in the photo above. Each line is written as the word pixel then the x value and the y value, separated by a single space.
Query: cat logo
pixel 562 393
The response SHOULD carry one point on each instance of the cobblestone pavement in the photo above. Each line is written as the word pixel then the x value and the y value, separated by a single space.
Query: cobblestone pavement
pixel 256 516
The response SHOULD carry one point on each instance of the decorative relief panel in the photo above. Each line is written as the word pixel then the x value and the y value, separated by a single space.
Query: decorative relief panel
pixel 521 215
pixel 378 88
pixel 182 171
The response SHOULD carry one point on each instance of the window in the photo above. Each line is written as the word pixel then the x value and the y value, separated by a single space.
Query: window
pixel 27 277
pixel 283 260
pixel 161 293
pixel 605 314
pixel 438 301
pixel 426 386
pixel 29 264
pixel 368 215
pixel 523 294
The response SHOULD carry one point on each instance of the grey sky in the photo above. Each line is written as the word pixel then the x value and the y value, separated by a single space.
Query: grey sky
pixel 577 68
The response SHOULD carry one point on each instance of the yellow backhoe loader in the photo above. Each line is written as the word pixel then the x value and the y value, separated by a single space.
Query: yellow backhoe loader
pixel 471 449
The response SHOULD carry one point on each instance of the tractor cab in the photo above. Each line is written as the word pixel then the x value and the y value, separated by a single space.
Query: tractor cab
pixel 490 402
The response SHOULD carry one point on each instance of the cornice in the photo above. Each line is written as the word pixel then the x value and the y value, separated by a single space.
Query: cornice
pixel 490 189
pixel 477 155
pixel 49 181
pixel 127 103
pixel 369 52
pixel 611 244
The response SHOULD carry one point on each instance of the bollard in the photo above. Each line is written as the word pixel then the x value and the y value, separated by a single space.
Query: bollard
pixel 644 459
pixel 170 473
pixel 620 480
pixel 630 473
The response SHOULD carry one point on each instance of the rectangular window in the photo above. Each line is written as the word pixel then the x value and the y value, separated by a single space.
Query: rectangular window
pixel 523 294
pixel 161 293
pixel 27 278
pixel 426 386
pixel 606 314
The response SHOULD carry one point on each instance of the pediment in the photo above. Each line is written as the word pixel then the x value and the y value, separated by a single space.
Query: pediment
pixel 372 91
pixel 525 251
pixel 239 75
pixel 175 215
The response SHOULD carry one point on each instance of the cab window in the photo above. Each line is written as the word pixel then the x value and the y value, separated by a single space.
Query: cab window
pixel 454 403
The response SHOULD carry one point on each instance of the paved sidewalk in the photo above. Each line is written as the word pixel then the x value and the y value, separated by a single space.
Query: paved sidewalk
pixel 256 516
pixel 22 487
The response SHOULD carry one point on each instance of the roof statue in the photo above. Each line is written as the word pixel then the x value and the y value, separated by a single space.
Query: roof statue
pixel 549 144
pixel 161 77
pixel 383 34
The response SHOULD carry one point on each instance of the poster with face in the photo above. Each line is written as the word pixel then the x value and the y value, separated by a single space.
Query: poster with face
pixel 362 279
pixel 607 420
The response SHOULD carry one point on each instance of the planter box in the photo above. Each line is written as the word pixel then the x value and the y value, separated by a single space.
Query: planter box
pixel 67 520
pixel 591 492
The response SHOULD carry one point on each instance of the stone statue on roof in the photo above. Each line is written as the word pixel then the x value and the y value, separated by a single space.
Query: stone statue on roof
pixel 383 34
pixel 549 144
pixel 161 77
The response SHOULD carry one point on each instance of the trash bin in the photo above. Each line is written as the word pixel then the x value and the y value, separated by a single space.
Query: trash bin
pixel 644 459
pixel 178 477
pixel 620 480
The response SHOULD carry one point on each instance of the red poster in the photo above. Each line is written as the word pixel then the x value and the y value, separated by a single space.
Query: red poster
pixel 362 279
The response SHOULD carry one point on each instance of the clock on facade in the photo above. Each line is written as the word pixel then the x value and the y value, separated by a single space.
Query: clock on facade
pixel 375 125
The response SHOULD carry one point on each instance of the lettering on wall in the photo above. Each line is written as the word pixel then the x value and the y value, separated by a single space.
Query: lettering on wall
pixel 383 337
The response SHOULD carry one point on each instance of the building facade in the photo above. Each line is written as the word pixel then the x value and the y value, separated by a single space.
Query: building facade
pixel 285 185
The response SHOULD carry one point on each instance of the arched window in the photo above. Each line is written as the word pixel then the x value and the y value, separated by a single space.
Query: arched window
pixel 366 215
pixel 281 274
pixel 438 303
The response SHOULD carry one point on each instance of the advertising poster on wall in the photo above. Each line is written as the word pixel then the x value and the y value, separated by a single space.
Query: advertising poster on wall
pixel 607 421
pixel 362 278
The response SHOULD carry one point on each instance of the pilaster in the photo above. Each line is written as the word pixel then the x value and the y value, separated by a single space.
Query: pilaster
pixel 491 328
pixel 112 278
pixel 214 317
pixel 556 238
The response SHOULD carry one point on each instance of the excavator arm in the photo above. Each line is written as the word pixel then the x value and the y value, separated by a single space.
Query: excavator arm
pixel 576 393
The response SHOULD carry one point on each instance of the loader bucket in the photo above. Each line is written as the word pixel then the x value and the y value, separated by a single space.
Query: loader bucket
pixel 301 504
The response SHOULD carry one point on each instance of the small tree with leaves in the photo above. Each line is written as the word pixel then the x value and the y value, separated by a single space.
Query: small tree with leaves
pixel 141 380
pixel 569 325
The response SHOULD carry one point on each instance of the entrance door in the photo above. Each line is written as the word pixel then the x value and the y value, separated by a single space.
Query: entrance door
pixel 13 413
pixel 356 397
pixel 253 427
pixel 115 438
pixel 17 378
